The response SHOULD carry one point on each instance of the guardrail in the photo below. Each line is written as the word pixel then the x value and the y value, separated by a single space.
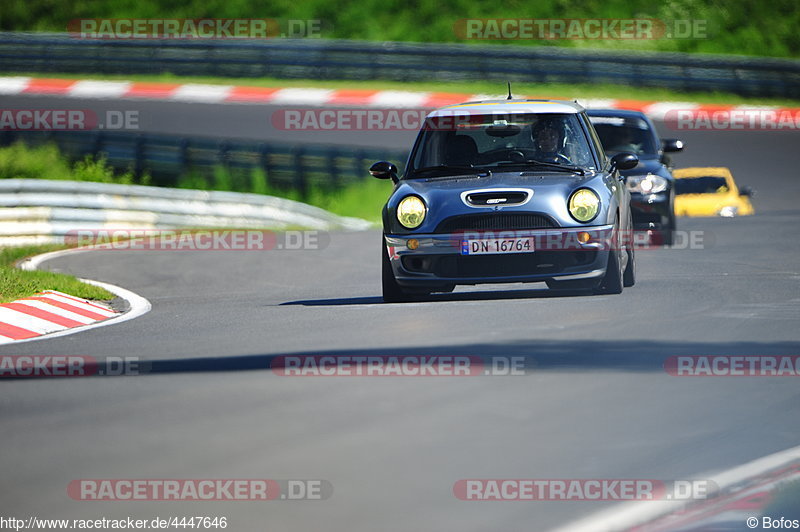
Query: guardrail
pixel 168 158
pixel 340 59
pixel 40 210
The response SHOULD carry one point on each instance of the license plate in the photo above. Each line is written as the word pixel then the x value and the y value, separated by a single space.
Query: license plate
pixel 493 246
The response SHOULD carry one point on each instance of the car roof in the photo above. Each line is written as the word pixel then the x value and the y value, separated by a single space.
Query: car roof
pixel 702 171
pixel 622 113
pixel 508 106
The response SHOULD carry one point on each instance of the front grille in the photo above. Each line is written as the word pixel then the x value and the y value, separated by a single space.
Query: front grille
pixel 489 266
pixel 498 197
pixel 495 222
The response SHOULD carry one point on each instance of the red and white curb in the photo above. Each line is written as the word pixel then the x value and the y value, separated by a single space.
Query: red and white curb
pixel 202 93
pixel 52 314
pixel 48 312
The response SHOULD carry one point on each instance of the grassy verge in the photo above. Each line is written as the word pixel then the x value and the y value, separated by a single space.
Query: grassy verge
pixel 554 90
pixel 16 283
pixel 363 199
pixel 19 161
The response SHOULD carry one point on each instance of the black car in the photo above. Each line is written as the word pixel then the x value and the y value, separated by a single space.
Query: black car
pixel 650 183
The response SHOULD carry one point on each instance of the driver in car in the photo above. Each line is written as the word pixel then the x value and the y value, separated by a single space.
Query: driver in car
pixel 549 138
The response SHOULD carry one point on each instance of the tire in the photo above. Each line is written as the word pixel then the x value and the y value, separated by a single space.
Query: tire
pixel 612 282
pixel 629 277
pixel 668 237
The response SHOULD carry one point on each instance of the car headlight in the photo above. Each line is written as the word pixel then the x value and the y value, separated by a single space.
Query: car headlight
pixel 411 212
pixel 728 211
pixel 646 184
pixel 584 204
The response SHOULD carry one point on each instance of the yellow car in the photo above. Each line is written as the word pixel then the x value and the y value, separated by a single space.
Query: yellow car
pixel 710 192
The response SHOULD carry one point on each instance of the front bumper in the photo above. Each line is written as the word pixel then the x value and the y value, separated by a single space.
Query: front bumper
pixel 558 255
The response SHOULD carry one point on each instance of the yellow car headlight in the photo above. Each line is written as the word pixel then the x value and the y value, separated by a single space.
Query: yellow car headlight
pixel 411 212
pixel 584 205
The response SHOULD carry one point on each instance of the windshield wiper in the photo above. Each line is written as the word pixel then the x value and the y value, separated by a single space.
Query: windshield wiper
pixel 555 166
pixel 450 168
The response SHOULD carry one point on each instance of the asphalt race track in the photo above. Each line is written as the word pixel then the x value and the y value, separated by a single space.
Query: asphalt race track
pixel 595 402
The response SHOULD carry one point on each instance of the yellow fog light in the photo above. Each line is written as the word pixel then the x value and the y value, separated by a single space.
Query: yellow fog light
pixel 411 212
pixel 584 205
pixel 412 244
pixel 583 237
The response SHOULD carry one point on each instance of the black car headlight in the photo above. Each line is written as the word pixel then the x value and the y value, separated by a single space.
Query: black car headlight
pixel 646 184
pixel 584 204
pixel 411 212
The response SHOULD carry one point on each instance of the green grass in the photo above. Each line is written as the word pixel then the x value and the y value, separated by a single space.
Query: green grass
pixel 554 90
pixel 364 199
pixel 742 27
pixel 16 283
pixel 19 161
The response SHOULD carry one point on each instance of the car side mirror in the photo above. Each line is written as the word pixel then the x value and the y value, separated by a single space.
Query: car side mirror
pixel 746 191
pixel 384 170
pixel 671 145
pixel 624 161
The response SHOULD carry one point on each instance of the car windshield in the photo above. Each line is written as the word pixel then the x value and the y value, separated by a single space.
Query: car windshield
pixel 701 185
pixel 620 134
pixel 491 142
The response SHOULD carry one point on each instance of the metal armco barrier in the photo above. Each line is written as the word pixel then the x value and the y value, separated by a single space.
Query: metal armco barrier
pixel 340 59
pixel 166 158
pixel 41 210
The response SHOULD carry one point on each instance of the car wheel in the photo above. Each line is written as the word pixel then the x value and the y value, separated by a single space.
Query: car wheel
pixel 612 282
pixel 392 292
pixel 629 277
pixel 668 237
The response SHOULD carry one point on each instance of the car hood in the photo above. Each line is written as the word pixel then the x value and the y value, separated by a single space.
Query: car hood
pixel 443 196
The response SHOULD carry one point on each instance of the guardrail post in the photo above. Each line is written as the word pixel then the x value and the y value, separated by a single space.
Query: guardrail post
pixel 139 157
pixel 264 160
pixel 300 172
pixel 358 165
pixel 333 169
pixel 97 141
